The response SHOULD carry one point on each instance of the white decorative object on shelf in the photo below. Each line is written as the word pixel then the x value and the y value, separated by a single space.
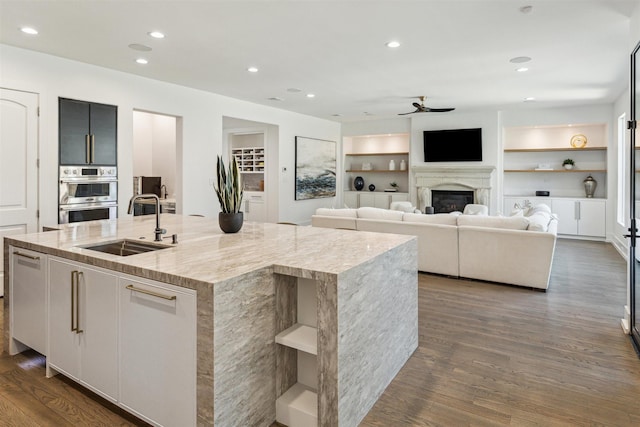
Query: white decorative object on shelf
pixel 403 165
pixel 392 165
pixel 367 167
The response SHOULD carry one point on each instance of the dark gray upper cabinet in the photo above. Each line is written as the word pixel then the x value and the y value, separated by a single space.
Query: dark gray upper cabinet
pixel 88 133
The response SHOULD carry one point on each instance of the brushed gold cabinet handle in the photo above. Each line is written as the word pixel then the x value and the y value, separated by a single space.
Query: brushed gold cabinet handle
pixel 78 330
pixel 73 299
pixel 35 258
pixel 154 294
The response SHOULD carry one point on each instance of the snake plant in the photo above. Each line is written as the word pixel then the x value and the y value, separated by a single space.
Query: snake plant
pixel 229 186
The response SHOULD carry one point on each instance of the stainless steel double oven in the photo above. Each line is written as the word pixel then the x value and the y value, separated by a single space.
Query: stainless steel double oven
pixel 87 193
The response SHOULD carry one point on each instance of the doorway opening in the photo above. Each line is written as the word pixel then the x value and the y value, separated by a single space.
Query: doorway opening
pixel 155 165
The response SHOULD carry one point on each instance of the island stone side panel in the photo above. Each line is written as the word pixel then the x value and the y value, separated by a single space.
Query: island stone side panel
pixel 244 358
pixel 377 328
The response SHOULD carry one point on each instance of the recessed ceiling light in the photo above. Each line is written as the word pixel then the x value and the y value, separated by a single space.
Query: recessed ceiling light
pixel 252 69
pixel 142 61
pixel 311 95
pixel 526 9
pixel 29 30
pixel 156 34
pixel 522 69
pixel 529 99
pixel 139 47
pixel 294 90
pixel 519 59
pixel 393 43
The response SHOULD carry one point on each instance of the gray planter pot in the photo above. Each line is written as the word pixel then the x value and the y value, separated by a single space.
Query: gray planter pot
pixel 230 222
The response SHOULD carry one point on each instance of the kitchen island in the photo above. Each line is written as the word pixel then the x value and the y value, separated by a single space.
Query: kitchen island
pixel 255 292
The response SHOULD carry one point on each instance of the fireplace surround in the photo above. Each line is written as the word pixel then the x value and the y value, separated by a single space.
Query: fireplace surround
pixel 453 178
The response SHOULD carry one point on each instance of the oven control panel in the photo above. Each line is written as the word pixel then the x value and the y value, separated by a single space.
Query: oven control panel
pixel 88 172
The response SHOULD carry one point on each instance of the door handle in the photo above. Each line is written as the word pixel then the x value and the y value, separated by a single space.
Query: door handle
pixel 87 149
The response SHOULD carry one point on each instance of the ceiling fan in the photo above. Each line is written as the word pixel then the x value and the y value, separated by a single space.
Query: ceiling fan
pixel 420 108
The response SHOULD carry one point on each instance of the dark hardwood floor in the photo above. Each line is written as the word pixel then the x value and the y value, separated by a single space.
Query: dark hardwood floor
pixel 489 355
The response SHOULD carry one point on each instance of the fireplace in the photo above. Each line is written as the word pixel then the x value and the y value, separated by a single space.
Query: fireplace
pixel 445 201
pixel 476 179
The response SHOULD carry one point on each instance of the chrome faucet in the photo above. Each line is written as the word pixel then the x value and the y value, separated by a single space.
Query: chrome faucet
pixel 164 195
pixel 158 231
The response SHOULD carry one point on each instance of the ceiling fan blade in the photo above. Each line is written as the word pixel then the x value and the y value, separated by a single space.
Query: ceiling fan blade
pixel 437 110
pixel 418 106
pixel 419 110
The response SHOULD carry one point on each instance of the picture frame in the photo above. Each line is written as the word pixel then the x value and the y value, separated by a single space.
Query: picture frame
pixel 315 168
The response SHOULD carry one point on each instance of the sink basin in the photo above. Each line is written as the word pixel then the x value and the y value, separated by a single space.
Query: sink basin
pixel 125 247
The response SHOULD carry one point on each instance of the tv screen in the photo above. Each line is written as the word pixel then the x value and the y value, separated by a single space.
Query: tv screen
pixel 453 145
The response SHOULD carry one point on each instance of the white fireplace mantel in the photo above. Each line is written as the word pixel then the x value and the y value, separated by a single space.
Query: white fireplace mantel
pixel 476 178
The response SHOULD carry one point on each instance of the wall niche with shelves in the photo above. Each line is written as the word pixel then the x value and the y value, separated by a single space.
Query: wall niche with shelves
pixel 369 156
pixel 533 157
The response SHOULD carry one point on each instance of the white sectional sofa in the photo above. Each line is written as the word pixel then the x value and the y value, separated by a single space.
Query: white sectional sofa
pixel 516 250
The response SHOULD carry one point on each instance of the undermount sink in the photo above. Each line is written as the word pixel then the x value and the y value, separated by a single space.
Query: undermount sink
pixel 125 247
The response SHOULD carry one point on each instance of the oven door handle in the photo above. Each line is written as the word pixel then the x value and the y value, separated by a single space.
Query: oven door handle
pixel 86 207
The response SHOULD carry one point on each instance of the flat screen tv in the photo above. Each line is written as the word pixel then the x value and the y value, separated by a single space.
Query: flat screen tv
pixel 453 145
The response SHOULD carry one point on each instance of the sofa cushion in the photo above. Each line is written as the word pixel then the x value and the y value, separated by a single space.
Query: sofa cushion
pixel 510 223
pixel 347 213
pixel 402 206
pixel 377 213
pixel 539 221
pixel 444 219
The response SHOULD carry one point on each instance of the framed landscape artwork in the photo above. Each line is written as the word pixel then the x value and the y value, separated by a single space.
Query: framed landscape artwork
pixel 315 168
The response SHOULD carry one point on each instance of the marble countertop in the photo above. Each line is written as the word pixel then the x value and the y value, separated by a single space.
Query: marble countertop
pixel 207 255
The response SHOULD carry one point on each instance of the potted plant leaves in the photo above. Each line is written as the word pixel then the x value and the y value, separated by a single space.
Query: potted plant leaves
pixel 229 191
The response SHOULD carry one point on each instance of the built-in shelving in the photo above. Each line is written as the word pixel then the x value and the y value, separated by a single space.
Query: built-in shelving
pixel 556 170
pixel 250 160
pixel 533 159
pixel 300 337
pixel 298 406
pixel 369 156
pixel 533 150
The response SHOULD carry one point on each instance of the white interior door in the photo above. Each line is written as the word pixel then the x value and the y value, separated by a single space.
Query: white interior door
pixel 18 165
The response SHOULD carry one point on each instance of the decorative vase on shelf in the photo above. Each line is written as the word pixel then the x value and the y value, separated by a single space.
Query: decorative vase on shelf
pixel 372 187
pixel 403 165
pixel 590 185
pixel 358 183
pixel 568 166
pixel 392 165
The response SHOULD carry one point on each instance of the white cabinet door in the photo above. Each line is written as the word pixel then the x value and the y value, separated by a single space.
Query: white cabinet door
pixel 83 325
pixel 566 210
pixel 592 220
pixel 366 200
pixel 399 197
pixel 351 199
pixel 381 201
pixel 158 351
pixel 254 207
pixel 64 355
pixel 29 299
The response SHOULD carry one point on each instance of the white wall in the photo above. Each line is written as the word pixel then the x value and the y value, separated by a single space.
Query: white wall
pixel 199 127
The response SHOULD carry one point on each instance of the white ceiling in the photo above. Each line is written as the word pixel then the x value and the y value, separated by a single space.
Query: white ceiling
pixel 454 52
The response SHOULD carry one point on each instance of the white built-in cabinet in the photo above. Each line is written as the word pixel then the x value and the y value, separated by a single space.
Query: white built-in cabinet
pixel 28 299
pixel 83 325
pixel 254 207
pixel 133 341
pixel 581 217
pixel 359 199
pixel 157 358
